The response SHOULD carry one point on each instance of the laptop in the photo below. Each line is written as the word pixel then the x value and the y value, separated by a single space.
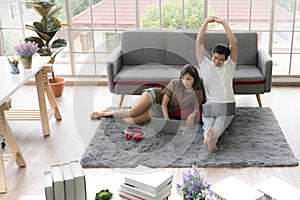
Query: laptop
pixel 168 126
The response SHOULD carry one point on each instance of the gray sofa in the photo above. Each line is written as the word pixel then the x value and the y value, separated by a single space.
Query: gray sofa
pixel 153 58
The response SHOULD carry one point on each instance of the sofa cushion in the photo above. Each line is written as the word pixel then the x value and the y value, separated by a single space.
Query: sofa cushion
pixel 147 73
pixel 248 79
pixel 165 47
pixel 133 79
pixel 248 73
pixel 247 44
pixel 151 55
pixel 179 47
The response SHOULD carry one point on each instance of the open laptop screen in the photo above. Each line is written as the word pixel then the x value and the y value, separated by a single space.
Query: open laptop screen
pixel 168 126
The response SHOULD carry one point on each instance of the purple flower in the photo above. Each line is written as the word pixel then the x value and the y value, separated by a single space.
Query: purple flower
pixel 26 49
pixel 178 186
pixel 194 187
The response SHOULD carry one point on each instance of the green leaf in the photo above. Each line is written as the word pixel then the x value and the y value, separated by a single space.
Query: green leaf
pixel 59 43
pixel 37 40
pixel 103 195
pixel 30 27
pixel 54 10
pixel 39 26
pixel 51 24
pixel 56 51
pixel 43 8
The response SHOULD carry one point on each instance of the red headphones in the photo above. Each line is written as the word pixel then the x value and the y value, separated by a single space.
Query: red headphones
pixel 135 134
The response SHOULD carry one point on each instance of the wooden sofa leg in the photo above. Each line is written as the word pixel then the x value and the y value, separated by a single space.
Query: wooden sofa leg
pixel 121 99
pixel 258 100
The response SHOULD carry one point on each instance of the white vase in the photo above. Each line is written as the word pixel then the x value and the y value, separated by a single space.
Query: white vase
pixel 26 62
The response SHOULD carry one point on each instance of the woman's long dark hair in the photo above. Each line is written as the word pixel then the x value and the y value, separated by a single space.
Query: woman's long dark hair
pixel 190 69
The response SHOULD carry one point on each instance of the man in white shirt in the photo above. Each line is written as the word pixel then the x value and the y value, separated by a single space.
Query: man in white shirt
pixel 217 75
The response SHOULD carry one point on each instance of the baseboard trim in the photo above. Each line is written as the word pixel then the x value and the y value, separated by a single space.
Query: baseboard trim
pixel 286 81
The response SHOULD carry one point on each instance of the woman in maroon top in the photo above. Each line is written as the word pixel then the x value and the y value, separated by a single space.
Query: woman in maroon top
pixel 178 94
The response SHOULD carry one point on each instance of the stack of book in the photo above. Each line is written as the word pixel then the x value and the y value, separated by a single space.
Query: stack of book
pixel 232 188
pixel 65 182
pixel 148 185
pixel 277 189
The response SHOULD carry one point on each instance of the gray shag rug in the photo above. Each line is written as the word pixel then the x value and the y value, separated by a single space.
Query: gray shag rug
pixel 254 139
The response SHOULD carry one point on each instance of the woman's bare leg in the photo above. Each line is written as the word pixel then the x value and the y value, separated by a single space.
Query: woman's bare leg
pixel 98 115
pixel 137 109
pixel 142 118
pixel 103 113
pixel 141 106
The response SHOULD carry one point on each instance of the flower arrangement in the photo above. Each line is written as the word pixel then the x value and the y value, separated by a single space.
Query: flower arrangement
pixel 26 49
pixel 194 187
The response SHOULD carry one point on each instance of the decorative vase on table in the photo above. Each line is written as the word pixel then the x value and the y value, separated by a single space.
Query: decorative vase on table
pixel 26 62
pixel 25 51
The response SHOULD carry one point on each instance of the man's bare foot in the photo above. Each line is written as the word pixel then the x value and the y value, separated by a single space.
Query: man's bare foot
pixel 214 149
pixel 211 140
pixel 98 115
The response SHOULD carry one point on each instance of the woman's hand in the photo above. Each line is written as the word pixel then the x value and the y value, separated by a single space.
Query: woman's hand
pixel 190 120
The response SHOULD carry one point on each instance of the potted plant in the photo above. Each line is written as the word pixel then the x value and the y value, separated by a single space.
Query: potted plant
pixel 194 186
pixel 25 51
pixel 104 195
pixel 46 29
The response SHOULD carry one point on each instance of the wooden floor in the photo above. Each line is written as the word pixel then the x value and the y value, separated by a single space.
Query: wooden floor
pixel 70 136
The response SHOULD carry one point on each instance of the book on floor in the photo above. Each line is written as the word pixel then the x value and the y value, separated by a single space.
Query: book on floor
pixel 142 194
pixel 58 182
pixel 130 196
pixel 150 180
pixel 277 189
pixel 48 188
pixel 79 180
pixel 68 181
pixel 232 188
pixel 124 198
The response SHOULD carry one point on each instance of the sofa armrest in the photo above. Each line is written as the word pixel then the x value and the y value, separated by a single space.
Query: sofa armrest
pixel 265 64
pixel 113 65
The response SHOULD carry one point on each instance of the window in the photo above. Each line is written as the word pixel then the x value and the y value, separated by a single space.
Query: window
pixel 96 26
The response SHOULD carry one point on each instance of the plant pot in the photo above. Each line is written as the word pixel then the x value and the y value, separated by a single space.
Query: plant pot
pixel 26 62
pixel 58 86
